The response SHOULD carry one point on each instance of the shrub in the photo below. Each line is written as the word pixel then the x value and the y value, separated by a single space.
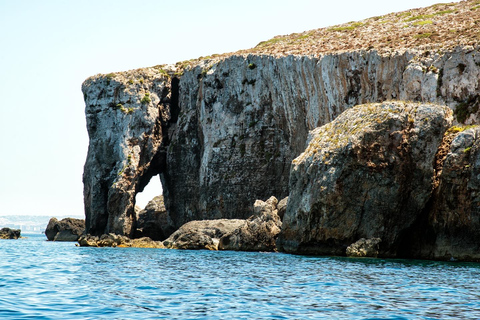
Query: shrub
pixel 146 99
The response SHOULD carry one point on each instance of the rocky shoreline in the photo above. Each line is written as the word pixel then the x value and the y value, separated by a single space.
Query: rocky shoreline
pixel 376 150
pixel 370 183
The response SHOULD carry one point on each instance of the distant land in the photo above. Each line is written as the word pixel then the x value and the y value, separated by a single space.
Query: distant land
pixel 30 224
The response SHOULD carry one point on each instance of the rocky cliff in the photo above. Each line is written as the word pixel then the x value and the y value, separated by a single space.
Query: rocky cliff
pixel 367 174
pixel 224 131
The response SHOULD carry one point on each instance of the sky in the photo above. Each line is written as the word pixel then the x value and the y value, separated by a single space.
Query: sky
pixel 48 48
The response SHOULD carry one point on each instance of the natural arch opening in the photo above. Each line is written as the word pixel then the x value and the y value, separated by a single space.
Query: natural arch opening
pixel 152 189
pixel 152 220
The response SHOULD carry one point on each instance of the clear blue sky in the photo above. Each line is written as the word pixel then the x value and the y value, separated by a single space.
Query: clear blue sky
pixel 48 48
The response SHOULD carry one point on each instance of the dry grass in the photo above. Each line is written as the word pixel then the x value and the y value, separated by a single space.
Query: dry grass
pixel 439 27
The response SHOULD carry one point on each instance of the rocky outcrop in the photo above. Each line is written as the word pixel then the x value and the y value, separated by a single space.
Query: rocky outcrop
pixel 259 232
pixel 364 248
pixel 367 174
pixel 114 240
pixel 68 229
pixel 203 234
pixel 154 221
pixel 128 115
pixel 225 131
pixel 7 233
pixel 449 229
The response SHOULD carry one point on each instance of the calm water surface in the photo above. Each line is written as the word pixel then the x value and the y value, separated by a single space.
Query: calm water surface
pixel 45 280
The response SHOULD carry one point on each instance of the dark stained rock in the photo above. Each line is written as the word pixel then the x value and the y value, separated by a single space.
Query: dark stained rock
pixel 282 207
pixel 367 174
pixel 450 229
pixel 7 233
pixel 364 248
pixel 154 221
pixel 68 229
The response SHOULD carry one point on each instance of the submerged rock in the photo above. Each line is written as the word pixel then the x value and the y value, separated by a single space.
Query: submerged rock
pixel 364 248
pixel 367 174
pixel 68 229
pixel 7 233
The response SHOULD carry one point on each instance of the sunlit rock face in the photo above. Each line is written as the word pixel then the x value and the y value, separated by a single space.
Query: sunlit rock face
pixel 127 114
pixel 224 132
pixel 367 174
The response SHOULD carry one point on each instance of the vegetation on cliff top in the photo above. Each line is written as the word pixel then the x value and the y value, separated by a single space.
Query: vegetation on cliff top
pixel 442 26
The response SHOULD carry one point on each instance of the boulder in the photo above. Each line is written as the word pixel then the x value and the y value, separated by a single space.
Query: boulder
pixel 203 234
pixel 258 233
pixel 367 174
pixel 364 248
pixel 154 221
pixel 68 229
pixel 7 233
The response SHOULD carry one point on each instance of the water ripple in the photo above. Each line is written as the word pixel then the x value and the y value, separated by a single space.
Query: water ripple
pixel 44 280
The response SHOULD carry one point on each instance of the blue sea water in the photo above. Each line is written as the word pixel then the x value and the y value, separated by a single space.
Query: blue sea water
pixel 52 280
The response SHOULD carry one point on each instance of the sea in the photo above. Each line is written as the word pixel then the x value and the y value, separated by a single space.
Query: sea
pixel 58 280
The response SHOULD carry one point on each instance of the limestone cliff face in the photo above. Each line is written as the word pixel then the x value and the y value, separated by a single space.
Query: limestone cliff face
pixel 244 118
pixel 241 121
pixel 127 114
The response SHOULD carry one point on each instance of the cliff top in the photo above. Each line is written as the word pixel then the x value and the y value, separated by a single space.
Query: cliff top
pixel 442 26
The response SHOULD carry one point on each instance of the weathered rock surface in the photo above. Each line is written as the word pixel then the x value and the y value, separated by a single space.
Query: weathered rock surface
pixel 154 221
pixel 7 233
pixel 225 132
pixel 68 229
pixel 364 248
pixel 367 174
pixel 127 116
pixel 259 232
pixel 449 229
pixel 203 234
pixel 114 240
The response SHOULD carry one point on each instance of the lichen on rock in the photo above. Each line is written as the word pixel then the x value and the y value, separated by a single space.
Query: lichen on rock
pixel 367 174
